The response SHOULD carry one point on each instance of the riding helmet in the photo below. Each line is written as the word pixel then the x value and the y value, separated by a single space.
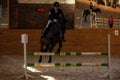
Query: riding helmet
pixel 56 4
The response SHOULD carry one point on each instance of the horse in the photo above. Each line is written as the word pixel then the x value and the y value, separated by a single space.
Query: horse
pixel 52 36
pixel 87 12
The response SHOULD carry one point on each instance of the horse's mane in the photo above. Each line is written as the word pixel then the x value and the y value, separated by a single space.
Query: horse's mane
pixel 53 28
pixel 48 30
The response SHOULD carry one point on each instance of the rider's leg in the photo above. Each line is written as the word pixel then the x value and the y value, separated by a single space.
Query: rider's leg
pixel 62 38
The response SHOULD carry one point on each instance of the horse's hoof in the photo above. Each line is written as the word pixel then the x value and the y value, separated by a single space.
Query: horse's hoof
pixel 64 40
pixel 58 51
pixel 40 61
pixel 49 61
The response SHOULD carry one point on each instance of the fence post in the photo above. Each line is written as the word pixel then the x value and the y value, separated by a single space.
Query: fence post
pixel 107 74
pixel 81 23
pixel 109 57
pixel 24 40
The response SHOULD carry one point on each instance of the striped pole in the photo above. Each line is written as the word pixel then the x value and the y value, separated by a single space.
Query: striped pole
pixel 65 64
pixel 65 53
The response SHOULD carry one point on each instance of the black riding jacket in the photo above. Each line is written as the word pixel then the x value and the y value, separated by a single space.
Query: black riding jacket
pixel 55 15
pixel 91 6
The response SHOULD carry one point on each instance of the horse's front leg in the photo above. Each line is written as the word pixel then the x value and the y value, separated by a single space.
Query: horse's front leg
pixel 50 50
pixel 42 50
pixel 85 18
pixel 40 58
pixel 60 46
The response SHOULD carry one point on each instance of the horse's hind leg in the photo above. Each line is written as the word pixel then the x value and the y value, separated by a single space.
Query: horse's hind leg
pixel 40 59
pixel 85 18
pixel 50 59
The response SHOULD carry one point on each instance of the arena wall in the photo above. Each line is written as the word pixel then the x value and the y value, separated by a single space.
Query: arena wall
pixel 26 16
pixel 82 40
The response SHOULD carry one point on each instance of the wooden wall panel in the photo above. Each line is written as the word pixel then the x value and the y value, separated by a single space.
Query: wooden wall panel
pixel 13 14
pixel 77 40
pixel 25 16
pixel 29 18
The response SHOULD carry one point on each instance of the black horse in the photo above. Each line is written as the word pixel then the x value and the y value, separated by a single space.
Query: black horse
pixel 52 36
pixel 88 11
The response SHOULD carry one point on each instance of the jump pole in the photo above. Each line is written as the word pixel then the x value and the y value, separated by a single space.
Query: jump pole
pixel 66 53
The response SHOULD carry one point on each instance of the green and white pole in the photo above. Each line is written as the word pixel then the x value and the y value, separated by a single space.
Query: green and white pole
pixel 65 53
pixel 65 64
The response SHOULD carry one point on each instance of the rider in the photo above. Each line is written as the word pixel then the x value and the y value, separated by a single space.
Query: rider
pixel 91 6
pixel 54 14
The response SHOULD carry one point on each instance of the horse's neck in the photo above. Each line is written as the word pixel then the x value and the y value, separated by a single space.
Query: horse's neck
pixel 52 28
pixel 97 10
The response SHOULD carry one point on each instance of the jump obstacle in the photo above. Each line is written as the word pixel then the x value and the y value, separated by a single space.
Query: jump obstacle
pixel 98 21
pixel 104 21
pixel 101 21
pixel 93 20
pixel 24 40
